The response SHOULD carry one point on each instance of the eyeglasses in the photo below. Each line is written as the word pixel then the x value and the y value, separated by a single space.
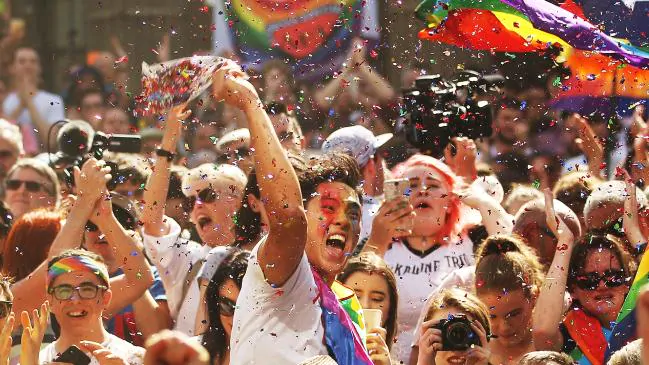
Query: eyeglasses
pixel 5 308
pixel 31 186
pixel 6 154
pixel 612 279
pixel 226 307
pixel 84 291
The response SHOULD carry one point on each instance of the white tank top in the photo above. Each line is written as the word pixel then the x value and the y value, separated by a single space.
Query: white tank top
pixel 418 274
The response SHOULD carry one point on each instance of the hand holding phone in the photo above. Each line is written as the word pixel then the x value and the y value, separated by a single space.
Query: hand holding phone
pixel 396 188
pixel 73 355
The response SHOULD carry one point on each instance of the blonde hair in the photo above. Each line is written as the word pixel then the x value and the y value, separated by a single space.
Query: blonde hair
pixel 506 263
pixel 42 169
pixel 463 301
pixel 212 175
pixel 11 133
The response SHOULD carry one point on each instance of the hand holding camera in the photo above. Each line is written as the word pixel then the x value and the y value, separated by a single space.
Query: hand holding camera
pixel 91 180
pixel 457 334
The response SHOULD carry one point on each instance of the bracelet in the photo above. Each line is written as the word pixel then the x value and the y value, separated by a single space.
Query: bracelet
pixel 164 153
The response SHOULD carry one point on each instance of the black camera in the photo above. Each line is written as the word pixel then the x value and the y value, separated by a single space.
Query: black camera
pixel 457 334
pixel 440 109
pixel 77 142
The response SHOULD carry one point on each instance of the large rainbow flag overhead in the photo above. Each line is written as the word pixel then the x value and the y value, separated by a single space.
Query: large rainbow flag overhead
pixel 520 26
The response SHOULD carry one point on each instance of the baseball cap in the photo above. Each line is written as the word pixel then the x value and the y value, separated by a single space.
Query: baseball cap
pixel 356 141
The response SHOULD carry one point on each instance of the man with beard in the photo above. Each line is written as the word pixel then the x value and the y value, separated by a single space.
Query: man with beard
pixel 287 310
pixel 213 194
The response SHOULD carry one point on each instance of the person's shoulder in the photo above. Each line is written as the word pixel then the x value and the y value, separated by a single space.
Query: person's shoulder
pixel 48 95
pixel 121 346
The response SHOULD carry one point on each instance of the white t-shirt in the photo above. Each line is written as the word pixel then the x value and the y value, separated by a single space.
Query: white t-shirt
pixel 132 354
pixel 51 109
pixel 174 257
pixel 417 276
pixel 281 325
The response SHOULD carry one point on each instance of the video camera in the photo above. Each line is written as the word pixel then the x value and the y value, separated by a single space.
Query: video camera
pixel 77 141
pixel 440 109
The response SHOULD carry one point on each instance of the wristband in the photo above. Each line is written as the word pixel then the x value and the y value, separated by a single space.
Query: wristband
pixel 164 153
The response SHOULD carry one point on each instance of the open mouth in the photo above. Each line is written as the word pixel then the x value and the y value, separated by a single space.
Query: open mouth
pixel 77 314
pixel 336 241
pixel 422 205
pixel 456 360
pixel 203 221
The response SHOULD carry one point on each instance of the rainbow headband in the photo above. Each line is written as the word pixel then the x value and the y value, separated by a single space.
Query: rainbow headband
pixel 75 264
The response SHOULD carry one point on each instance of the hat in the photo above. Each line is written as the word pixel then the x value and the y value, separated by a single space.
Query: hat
pixel 357 141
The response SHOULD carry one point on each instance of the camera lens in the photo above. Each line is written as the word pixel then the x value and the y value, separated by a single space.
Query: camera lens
pixel 459 334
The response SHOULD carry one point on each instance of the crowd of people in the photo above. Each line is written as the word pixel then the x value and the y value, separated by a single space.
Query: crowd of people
pixel 274 221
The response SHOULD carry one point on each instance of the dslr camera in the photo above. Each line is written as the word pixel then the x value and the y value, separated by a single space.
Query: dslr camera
pixel 438 109
pixel 457 334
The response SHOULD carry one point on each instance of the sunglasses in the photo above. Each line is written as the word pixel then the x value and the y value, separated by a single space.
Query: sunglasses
pixel 84 291
pixel 227 307
pixel 5 308
pixel 204 196
pixel 31 186
pixel 611 278
pixel 6 154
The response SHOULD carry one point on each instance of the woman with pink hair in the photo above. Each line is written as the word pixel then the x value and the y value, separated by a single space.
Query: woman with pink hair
pixel 423 237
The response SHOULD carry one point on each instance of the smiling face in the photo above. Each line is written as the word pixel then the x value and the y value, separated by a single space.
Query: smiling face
pixel 230 291
pixel 431 198
pixel 449 357
pixel 511 316
pixel 372 291
pixel 214 221
pixel 333 217
pixel 79 315
pixel 603 302
pixel 21 200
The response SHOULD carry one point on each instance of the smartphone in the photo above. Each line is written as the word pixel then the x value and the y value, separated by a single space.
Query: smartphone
pixel 396 188
pixel 73 356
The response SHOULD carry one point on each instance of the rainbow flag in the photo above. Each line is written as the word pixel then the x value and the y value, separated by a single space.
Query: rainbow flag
pixel 302 33
pixel 520 26
pixel 625 327
pixel 343 341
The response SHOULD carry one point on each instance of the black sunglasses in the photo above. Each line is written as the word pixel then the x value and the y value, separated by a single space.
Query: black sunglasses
pixel 226 307
pixel 6 154
pixel 31 186
pixel 611 278
pixel 207 195
pixel 5 308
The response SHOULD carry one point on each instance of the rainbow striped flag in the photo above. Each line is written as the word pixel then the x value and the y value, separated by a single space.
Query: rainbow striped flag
pixel 625 325
pixel 520 26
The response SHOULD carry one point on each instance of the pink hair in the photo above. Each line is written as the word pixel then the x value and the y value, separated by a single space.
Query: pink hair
pixel 454 216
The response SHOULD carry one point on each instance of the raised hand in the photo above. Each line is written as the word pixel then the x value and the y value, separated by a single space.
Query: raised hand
pixel 555 223
pixel 588 143
pixel 393 220
pixel 174 348
pixel 103 355
pixel 91 180
pixel 33 331
pixel 230 83
pixel 5 339
pixel 630 220
pixel 460 155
